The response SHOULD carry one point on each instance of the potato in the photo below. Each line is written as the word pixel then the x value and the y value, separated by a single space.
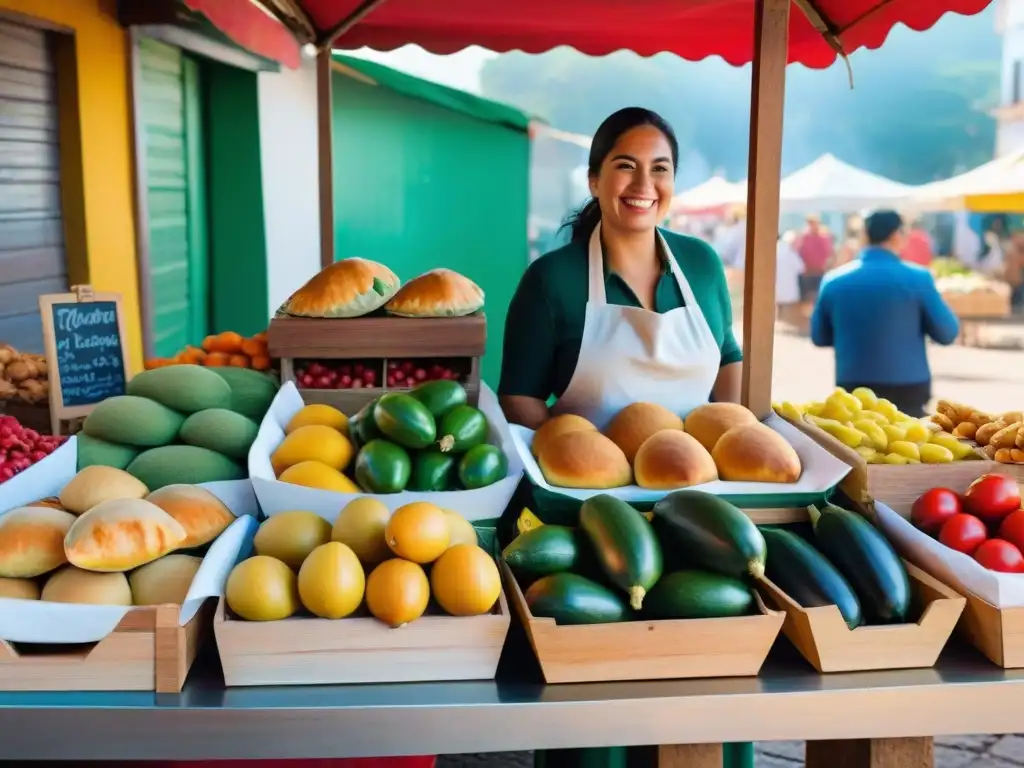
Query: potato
pixel 1006 437
pixel 984 433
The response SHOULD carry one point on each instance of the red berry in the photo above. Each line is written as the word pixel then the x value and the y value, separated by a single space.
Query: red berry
pixel 307 380
pixel 357 383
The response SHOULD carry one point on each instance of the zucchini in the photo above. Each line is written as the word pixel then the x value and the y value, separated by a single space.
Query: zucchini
pixel 382 467
pixel 404 420
pixel 698 595
pixel 482 465
pixel 543 551
pixel 571 599
pixel 624 543
pixel 432 471
pixel 361 427
pixel 712 533
pixel 440 396
pixel 803 573
pixel 464 427
pixel 868 561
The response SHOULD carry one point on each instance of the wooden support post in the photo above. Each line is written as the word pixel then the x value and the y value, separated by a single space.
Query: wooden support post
pixel 871 753
pixel 325 146
pixel 690 756
pixel 767 91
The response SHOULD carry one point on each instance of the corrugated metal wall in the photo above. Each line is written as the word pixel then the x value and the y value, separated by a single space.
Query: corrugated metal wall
pixel 418 186
pixel 32 260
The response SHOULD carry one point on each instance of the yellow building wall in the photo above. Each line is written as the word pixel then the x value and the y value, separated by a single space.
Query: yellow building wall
pixel 96 150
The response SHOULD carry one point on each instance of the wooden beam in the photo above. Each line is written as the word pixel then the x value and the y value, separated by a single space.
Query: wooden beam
pixel 768 84
pixel 871 753
pixel 325 145
pixel 363 10
pixel 690 756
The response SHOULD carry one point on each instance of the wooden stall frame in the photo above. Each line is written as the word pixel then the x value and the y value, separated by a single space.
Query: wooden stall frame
pixel 59 413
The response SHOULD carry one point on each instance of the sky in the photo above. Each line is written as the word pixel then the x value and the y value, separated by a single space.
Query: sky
pixel 459 70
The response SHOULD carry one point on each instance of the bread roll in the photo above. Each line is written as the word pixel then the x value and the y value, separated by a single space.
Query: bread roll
pixel 50 501
pixel 755 453
pixel 164 581
pixel 673 459
pixel 19 589
pixel 635 423
pixel 70 585
pixel 32 541
pixel 437 293
pixel 96 484
pixel 347 288
pixel 584 459
pixel 557 426
pixel 709 422
pixel 122 534
pixel 203 516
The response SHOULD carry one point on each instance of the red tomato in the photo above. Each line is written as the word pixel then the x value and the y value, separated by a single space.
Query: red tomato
pixel 999 555
pixel 964 533
pixel 1012 529
pixel 933 508
pixel 992 497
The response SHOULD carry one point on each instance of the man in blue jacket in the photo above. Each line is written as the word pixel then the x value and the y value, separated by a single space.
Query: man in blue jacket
pixel 876 312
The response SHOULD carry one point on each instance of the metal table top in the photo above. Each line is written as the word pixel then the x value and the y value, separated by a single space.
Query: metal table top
pixel 963 694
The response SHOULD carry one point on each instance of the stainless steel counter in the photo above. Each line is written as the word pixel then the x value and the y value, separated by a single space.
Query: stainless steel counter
pixel 963 694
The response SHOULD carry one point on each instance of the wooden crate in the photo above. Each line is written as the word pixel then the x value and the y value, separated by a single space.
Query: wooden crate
pixel 311 651
pixel 996 632
pixel 648 650
pixel 896 484
pixel 147 651
pixel 980 303
pixel 824 639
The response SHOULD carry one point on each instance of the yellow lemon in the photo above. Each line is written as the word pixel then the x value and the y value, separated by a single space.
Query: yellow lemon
pixel 361 526
pixel 465 581
pixel 318 413
pixel 313 442
pixel 397 592
pixel 262 589
pixel 418 532
pixel 460 530
pixel 331 581
pixel 316 474
pixel 291 536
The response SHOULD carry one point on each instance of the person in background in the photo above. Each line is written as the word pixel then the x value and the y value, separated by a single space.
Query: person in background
pixel 731 239
pixel 1015 270
pixel 816 249
pixel 788 268
pixel 853 241
pixel 918 248
pixel 877 313
pixel 995 245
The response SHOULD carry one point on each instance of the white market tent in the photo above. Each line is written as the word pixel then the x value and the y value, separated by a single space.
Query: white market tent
pixel 710 196
pixel 995 187
pixel 830 185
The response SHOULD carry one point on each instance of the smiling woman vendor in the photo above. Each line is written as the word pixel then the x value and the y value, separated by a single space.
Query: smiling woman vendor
pixel 626 312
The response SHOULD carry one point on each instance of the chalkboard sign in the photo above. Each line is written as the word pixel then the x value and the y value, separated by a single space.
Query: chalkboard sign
pixel 84 337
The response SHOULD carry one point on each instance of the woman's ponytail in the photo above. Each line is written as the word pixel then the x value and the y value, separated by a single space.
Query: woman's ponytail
pixel 581 223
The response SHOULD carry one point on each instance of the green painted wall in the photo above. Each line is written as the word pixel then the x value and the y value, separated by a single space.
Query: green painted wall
pixel 418 186
pixel 238 244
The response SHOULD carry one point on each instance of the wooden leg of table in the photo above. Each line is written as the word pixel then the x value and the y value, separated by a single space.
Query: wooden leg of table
pixel 690 756
pixel 871 753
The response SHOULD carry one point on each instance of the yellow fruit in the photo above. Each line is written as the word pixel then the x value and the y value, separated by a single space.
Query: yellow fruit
pixel 844 398
pixel 887 409
pixel 460 530
pixel 465 581
pixel 935 454
pixel 418 532
pixel 848 436
pixel 894 432
pixel 314 442
pixel 875 417
pixel 868 399
pixel 895 458
pixel 837 412
pixel 905 448
pixel 961 451
pixel 789 411
pixel 291 536
pixel 916 432
pixel 397 592
pixel 318 413
pixel 873 432
pixel 866 452
pixel 315 474
pixel 331 581
pixel 815 409
pixel 361 526
pixel 262 589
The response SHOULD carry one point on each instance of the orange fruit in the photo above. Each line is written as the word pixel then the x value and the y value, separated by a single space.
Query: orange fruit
pixel 465 581
pixel 397 592
pixel 418 532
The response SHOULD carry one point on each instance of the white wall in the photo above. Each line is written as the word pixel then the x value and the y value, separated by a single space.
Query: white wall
pixel 288 141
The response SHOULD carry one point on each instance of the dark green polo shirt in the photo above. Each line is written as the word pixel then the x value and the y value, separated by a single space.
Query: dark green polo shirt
pixel 544 325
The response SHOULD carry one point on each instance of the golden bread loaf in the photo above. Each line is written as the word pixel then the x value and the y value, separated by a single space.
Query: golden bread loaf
pixel 755 453
pixel 71 585
pixel 672 459
pixel 122 534
pixel 347 288
pixel 50 501
pixel 584 459
pixel 709 422
pixel 635 423
pixel 19 589
pixel 437 293
pixel 557 426
pixel 203 516
pixel 32 541
pixel 164 581
pixel 95 484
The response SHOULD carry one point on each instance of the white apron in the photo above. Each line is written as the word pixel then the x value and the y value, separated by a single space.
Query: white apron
pixel 630 355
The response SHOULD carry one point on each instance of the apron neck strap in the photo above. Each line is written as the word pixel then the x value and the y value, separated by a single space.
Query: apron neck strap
pixel 684 285
pixel 595 269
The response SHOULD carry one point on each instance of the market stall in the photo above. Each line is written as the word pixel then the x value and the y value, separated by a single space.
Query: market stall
pixel 830 185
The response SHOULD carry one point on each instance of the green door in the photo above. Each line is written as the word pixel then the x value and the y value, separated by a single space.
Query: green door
pixel 175 185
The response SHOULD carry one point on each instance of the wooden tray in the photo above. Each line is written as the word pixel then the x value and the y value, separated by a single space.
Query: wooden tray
pixel 311 651
pixel 375 337
pixel 894 483
pixel 996 632
pixel 822 637
pixel 147 651
pixel 648 650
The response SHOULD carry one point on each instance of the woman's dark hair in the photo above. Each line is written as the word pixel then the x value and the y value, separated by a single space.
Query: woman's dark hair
pixel 582 222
